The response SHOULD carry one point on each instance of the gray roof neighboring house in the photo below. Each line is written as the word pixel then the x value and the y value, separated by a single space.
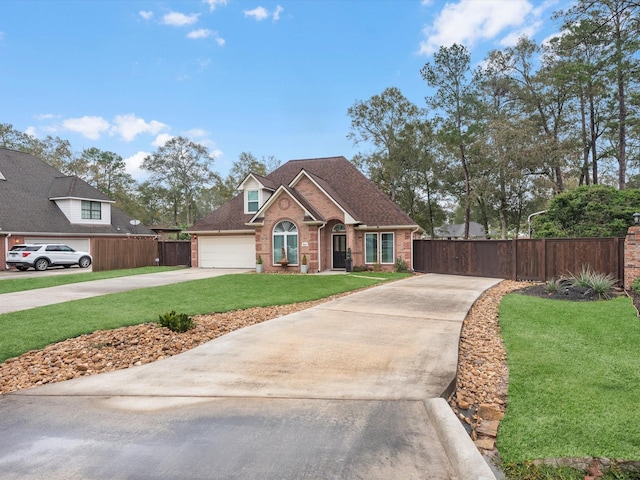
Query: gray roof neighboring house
pixel 28 187
pixel 457 230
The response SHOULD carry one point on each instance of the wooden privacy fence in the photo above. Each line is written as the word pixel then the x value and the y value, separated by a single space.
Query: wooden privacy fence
pixel 174 252
pixel 119 253
pixel 538 259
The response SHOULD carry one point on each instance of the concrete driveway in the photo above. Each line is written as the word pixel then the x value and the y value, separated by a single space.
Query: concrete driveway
pixel 345 390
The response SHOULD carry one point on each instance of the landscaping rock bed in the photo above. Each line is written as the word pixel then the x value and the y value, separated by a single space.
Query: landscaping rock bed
pixel 108 350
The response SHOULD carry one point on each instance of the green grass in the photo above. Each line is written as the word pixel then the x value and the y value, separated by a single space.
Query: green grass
pixel 34 329
pixel 31 283
pixel 574 379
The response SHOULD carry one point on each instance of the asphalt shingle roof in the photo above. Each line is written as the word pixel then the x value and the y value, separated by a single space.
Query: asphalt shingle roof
pixel 25 205
pixel 348 187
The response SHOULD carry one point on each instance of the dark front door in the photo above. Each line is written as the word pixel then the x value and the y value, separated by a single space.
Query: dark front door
pixel 339 250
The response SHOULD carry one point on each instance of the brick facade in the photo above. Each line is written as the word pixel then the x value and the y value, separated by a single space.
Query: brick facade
pixel 631 256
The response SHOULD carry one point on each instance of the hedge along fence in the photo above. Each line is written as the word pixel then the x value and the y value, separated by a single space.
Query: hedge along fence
pixel 522 259
pixel 119 253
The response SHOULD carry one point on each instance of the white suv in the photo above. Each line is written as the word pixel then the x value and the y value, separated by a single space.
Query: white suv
pixel 43 256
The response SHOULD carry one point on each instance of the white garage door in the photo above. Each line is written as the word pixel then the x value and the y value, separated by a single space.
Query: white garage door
pixel 237 251
pixel 79 244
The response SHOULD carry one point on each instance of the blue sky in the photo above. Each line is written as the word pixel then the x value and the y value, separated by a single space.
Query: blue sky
pixel 266 77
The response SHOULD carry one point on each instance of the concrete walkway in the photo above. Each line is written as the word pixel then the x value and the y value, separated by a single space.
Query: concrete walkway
pixel 349 389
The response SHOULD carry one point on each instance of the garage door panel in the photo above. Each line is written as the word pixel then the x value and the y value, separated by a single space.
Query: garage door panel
pixel 236 251
pixel 80 244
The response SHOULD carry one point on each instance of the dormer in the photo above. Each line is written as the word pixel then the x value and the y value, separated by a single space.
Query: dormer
pixel 256 190
pixel 80 202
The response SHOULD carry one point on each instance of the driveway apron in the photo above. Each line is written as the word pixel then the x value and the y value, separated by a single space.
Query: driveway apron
pixel 344 390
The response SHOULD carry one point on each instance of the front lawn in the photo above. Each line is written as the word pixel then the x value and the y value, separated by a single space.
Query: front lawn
pixel 574 379
pixel 34 329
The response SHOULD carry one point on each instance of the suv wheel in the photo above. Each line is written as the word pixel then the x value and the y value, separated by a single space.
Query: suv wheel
pixel 84 262
pixel 41 264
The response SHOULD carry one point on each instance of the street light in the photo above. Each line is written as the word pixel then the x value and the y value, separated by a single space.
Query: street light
pixel 636 218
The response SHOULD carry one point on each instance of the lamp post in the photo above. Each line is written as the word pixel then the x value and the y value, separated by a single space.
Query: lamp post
pixel 636 218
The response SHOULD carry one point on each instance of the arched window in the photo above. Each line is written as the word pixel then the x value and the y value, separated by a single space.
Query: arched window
pixel 339 228
pixel 285 240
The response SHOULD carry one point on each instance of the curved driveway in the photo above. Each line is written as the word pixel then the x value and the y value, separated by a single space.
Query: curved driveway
pixel 338 391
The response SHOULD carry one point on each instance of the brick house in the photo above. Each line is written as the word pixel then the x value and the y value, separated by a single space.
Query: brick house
pixel 315 208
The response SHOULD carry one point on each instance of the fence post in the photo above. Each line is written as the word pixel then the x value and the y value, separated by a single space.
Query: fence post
pixel 514 259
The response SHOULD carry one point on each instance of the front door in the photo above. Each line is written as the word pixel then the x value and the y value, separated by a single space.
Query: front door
pixel 339 242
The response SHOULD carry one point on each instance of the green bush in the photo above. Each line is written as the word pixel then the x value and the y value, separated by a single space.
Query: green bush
pixel 601 284
pixel 588 211
pixel 176 322
pixel 360 268
pixel 635 286
pixel 553 285
pixel 401 266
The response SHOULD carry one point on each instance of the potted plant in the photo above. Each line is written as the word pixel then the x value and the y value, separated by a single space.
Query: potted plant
pixel 303 266
pixel 259 264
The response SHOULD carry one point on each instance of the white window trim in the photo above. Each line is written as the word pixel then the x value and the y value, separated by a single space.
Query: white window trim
pixel 285 235
pixel 379 253
pixel 246 200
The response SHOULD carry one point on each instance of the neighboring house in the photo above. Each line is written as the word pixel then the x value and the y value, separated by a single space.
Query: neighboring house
pixel 457 231
pixel 39 205
pixel 316 208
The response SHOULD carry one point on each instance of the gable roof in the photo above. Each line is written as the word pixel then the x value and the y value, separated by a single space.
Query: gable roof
pixel 26 205
pixel 457 230
pixel 337 177
pixel 74 187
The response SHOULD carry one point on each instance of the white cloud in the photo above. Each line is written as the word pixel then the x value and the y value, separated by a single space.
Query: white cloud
pixel 161 140
pixel 196 133
pixel 177 19
pixel 32 131
pixel 201 33
pixel 258 13
pixel 134 165
pixel 276 14
pixel 214 3
pixel 146 14
pixel 45 116
pixel 206 33
pixel 129 126
pixel 89 127
pixel 470 21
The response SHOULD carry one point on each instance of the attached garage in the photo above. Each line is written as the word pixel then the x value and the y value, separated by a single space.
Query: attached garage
pixel 79 244
pixel 236 251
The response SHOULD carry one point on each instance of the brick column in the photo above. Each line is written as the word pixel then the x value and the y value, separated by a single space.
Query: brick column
pixel 194 251
pixel 631 256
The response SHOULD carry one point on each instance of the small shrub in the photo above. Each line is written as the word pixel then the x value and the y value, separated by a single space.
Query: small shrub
pixel 377 267
pixel 552 286
pixel 635 286
pixel 176 322
pixel 360 268
pixel 600 284
pixel 401 266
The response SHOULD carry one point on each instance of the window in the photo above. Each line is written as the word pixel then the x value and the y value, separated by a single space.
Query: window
pixel 339 228
pixel 91 210
pixel 285 236
pixel 253 202
pixel 379 248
